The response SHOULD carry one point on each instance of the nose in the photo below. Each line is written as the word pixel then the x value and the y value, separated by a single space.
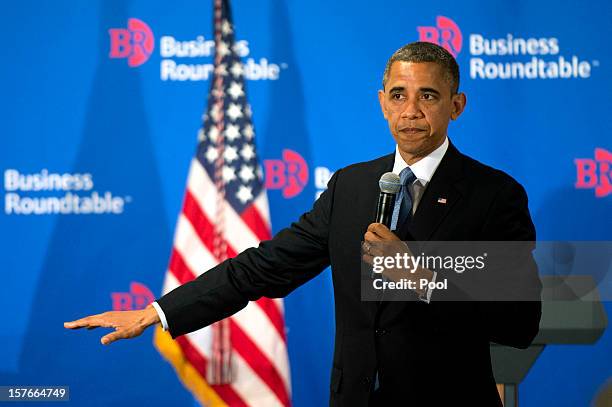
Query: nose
pixel 411 110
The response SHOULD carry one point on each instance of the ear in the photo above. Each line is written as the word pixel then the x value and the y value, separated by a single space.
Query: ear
pixel 381 100
pixel 458 101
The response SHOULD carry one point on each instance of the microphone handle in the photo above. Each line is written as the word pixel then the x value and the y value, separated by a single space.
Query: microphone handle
pixel 384 208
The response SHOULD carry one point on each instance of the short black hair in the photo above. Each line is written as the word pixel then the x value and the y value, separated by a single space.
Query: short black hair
pixel 427 52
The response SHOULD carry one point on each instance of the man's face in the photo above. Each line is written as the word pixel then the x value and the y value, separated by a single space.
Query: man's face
pixel 417 102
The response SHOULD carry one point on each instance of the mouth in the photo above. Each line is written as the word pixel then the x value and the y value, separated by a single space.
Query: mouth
pixel 411 130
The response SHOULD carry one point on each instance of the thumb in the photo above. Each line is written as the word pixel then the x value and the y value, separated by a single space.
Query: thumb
pixel 112 337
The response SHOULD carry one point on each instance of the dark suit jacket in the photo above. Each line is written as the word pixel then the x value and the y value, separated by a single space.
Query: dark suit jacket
pixel 425 354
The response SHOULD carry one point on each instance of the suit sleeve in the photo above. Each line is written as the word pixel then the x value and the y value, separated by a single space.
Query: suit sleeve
pixel 274 269
pixel 513 323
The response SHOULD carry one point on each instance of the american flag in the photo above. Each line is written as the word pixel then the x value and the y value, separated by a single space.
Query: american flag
pixel 242 360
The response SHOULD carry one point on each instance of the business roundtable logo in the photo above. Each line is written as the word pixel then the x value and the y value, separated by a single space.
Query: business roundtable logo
pixel 136 44
pixel 595 173
pixel 289 174
pixel 445 33
pixel 510 56
pixel 138 297
pixel 58 193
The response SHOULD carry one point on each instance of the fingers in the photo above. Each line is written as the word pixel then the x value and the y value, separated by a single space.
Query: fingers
pixel 377 232
pixel 373 248
pixel 72 325
pixel 112 337
pixel 86 322
pixel 123 333
pixel 381 232
pixel 91 322
pixel 372 234
pixel 76 324
pixel 368 259
pixel 371 237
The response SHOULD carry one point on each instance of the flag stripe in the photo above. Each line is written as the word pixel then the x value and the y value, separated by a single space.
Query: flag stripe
pixel 170 282
pixel 259 363
pixel 261 203
pixel 247 384
pixel 179 268
pixel 272 309
pixel 204 192
pixel 257 224
pixel 252 386
pixel 188 244
pixel 199 362
pixel 256 325
pixel 202 225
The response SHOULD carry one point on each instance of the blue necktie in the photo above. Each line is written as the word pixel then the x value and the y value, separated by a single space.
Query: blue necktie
pixel 403 206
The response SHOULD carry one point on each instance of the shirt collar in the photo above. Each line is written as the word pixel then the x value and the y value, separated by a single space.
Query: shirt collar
pixel 423 169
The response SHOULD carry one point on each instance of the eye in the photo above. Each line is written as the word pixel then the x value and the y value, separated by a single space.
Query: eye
pixel 428 96
pixel 397 96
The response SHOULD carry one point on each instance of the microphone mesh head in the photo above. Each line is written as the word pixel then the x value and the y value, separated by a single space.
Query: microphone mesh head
pixel 390 183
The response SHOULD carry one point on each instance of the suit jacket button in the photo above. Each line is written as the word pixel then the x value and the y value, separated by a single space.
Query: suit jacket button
pixel 380 331
pixel 367 383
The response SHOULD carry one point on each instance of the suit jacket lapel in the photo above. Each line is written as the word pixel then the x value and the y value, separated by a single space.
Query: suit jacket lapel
pixel 440 195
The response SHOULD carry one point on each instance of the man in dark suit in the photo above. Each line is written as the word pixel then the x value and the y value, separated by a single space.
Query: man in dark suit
pixel 424 352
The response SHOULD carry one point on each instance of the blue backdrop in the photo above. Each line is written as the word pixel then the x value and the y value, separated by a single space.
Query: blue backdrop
pixel 80 117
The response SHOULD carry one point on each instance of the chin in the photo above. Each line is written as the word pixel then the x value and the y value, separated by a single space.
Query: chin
pixel 413 145
pixel 416 149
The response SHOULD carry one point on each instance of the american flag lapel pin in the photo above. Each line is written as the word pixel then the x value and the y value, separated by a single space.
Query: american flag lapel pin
pixel 442 201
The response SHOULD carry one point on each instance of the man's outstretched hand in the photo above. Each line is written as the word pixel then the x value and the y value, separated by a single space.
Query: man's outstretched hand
pixel 127 324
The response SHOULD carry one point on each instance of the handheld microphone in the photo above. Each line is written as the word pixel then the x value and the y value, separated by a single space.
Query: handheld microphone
pixel 389 187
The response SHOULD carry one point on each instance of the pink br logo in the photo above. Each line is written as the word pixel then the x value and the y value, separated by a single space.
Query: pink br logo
pixel 138 297
pixel 135 43
pixel 595 173
pixel 289 174
pixel 446 34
